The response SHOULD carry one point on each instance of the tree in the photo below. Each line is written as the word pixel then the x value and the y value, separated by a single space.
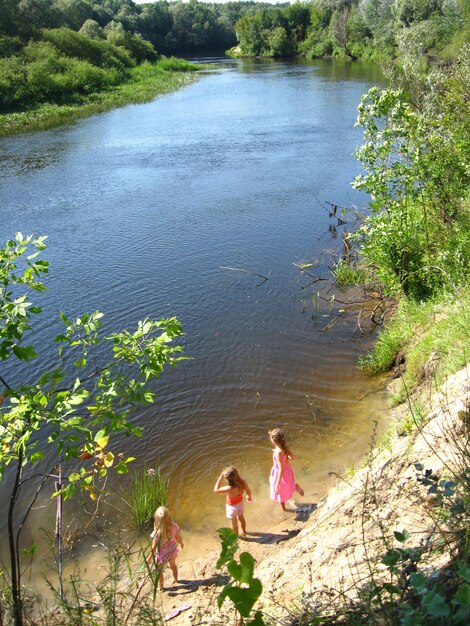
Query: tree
pixel 280 43
pixel 77 409
pixel 74 12
pixel 155 22
pixel 92 30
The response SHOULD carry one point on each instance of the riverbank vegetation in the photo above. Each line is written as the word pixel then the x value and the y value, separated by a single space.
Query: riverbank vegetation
pixel 77 406
pixel 143 83
pixel 356 29
pixel 413 250
pixel 414 245
pixel 65 59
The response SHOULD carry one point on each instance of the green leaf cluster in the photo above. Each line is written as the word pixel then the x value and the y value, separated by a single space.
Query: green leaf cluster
pixel 416 165
pixel 244 589
pixel 80 407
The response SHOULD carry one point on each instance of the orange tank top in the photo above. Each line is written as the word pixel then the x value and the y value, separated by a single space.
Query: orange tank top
pixel 235 500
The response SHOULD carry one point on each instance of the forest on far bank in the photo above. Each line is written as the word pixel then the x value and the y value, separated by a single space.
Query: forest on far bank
pixel 61 51
pixel 357 29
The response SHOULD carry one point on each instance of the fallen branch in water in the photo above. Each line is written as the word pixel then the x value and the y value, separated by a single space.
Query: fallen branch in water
pixel 240 269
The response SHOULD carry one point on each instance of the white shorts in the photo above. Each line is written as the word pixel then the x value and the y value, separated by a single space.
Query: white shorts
pixel 234 510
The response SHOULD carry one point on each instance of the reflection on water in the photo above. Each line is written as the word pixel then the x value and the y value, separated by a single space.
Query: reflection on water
pixel 147 206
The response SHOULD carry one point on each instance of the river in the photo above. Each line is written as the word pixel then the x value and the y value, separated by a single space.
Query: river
pixel 179 207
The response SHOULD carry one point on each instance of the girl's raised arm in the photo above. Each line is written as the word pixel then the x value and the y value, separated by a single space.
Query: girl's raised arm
pixel 218 488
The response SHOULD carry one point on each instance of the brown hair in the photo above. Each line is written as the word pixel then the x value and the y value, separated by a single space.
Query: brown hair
pixel 232 476
pixel 279 438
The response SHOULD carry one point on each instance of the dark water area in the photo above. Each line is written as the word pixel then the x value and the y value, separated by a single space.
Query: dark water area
pixel 145 208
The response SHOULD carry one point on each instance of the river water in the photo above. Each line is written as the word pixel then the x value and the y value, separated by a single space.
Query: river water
pixel 179 207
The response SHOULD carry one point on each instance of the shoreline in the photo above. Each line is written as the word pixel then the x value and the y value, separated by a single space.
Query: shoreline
pixel 302 555
pixel 142 90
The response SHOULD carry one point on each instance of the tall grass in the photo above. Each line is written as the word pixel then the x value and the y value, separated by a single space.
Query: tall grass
pixel 147 492
pixel 433 338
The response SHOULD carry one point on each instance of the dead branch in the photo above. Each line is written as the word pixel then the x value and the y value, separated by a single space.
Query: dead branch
pixel 240 269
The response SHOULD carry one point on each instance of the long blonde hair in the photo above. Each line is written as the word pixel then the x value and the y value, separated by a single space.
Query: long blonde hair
pixel 279 439
pixel 232 476
pixel 162 523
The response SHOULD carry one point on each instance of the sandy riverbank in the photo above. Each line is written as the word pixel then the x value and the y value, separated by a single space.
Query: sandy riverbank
pixel 310 555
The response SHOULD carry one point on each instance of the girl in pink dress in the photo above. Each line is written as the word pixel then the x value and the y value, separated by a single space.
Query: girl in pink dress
pixel 166 542
pixel 281 481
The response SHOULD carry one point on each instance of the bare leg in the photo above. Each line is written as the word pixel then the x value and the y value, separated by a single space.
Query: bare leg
pixel 283 506
pixel 235 525
pixel 299 489
pixel 242 523
pixel 160 582
pixel 174 569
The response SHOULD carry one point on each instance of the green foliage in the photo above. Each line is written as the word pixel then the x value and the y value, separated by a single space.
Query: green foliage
pixel 429 338
pixel 176 65
pixel 368 29
pixel 417 168
pixel 229 545
pixel 78 410
pixel 148 491
pixel 243 590
pixel 104 54
pixel 280 44
pixel 348 274
pixel 9 46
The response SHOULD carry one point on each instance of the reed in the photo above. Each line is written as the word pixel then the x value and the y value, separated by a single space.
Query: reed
pixel 148 491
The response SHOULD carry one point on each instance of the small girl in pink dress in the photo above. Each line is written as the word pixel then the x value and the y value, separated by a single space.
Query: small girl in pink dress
pixel 166 542
pixel 281 481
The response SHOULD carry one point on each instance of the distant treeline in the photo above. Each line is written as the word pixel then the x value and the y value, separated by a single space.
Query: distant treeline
pixel 61 51
pixel 367 29
pixel 171 27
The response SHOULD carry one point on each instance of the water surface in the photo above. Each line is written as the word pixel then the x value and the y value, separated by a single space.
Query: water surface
pixel 147 206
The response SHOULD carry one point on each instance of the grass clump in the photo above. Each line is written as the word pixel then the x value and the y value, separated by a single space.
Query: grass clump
pixel 173 64
pixel 148 491
pixel 348 274
pixel 430 339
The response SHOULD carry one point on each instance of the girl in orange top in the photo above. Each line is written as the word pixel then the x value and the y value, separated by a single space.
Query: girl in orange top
pixel 234 490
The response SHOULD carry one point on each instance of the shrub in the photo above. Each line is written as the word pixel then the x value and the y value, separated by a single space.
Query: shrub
pixel 58 78
pixel 173 64
pixel 96 51
pixel 14 88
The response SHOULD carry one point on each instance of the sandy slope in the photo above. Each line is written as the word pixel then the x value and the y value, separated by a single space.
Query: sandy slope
pixel 321 556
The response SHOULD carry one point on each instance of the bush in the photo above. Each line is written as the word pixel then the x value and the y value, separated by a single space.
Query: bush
pixel 173 64
pixel 53 77
pixel 417 172
pixel 14 88
pixel 9 46
pixel 96 51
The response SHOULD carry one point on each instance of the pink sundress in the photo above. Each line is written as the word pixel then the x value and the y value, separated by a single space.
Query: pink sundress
pixel 287 484
pixel 167 550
